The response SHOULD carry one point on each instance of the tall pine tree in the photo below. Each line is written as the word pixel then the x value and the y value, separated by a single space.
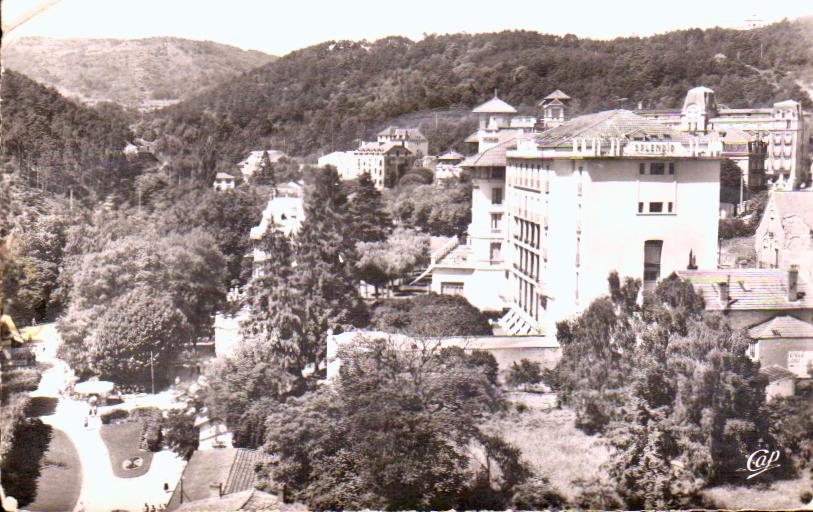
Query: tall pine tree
pixel 367 218
pixel 266 174
pixel 309 290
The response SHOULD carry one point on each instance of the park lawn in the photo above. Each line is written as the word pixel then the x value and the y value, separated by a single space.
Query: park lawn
pixel 60 479
pixel 122 441
pixel 552 445
pixel 781 494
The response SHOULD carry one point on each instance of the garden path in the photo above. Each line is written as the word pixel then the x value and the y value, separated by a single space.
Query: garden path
pixel 101 489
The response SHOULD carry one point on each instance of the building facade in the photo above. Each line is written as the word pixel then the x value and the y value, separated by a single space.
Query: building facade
pixel 781 127
pixel 600 193
pixel 410 138
pixel 385 162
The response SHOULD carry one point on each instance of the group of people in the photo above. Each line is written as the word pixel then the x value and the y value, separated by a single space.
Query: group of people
pixel 152 508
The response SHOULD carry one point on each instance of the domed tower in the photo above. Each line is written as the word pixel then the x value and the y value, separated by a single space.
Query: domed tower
pixel 699 108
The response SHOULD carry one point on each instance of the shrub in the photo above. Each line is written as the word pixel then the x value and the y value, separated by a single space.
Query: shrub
pixel 524 373
pixel 536 494
pixel 108 417
pixel 806 497
pixel 151 421
pixel 734 228
pixel 181 434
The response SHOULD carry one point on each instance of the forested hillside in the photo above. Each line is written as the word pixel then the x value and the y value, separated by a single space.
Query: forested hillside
pixel 133 72
pixel 327 96
pixel 60 146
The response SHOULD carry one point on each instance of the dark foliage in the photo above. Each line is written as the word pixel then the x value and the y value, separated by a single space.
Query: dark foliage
pixel 61 146
pixel 21 464
pixel 431 315
pixel 327 96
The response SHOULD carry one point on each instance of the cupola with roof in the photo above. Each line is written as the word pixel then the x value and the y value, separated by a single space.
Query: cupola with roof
pixel 554 109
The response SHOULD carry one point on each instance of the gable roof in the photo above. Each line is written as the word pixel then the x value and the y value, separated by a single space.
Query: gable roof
pixel 492 157
pixel 224 176
pixel 495 106
pixel 795 203
pixel 749 289
pixel 610 123
pixel 782 327
pixel 233 468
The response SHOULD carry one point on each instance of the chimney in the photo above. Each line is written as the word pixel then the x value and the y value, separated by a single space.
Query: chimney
pixel 793 283
pixel 723 287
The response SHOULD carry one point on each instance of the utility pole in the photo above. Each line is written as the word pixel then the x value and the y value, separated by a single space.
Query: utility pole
pixel 152 372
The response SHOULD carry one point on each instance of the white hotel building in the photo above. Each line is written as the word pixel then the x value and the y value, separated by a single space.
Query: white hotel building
pixel 604 192
pixel 553 213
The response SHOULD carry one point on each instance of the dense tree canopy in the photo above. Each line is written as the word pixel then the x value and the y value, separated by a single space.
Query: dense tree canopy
pixel 669 385
pixel 393 434
pixel 329 95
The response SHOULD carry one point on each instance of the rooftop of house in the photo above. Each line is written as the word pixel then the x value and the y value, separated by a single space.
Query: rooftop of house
pixel 451 155
pixel 208 471
pixel 776 373
pixel 798 203
pixel 224 176
pixel 380 147
pixel 782 327
pixel 608 124
pixel 748 289
pixel 474 137
pixel 251 500
pixel 557 95
pixel 494 106
pixel 734 135
pixel 492 157
pixel 406 133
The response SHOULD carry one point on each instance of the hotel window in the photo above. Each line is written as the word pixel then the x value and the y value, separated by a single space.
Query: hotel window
pixel 657 168
pixel 652 260
pixel 642 168
pixel 656 207
pixel 449 288
pixel 496 195
pixel 640 207
pixel 671 167
pixel 496 218
pixel 670 206
pixel 494 251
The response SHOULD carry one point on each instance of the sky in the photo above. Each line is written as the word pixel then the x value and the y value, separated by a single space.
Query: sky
pixel 278 27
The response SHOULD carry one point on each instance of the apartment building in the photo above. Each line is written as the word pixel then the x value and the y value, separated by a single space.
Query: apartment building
pixel 410 138
pixel 605 192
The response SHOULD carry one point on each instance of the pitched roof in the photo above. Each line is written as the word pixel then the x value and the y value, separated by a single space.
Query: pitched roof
pixel 224 176
pixel 782 327
pixel 557 95
pixel 252 499
pixel 732 134
pixel 749 289
pixel 775 373
pixel 474 137
pixel 495 106
pixel 491 157
pixel 610 123
pixel 786 103
pixel 233 468
pixel 451 155
pixel 798 203
pixel 409 133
